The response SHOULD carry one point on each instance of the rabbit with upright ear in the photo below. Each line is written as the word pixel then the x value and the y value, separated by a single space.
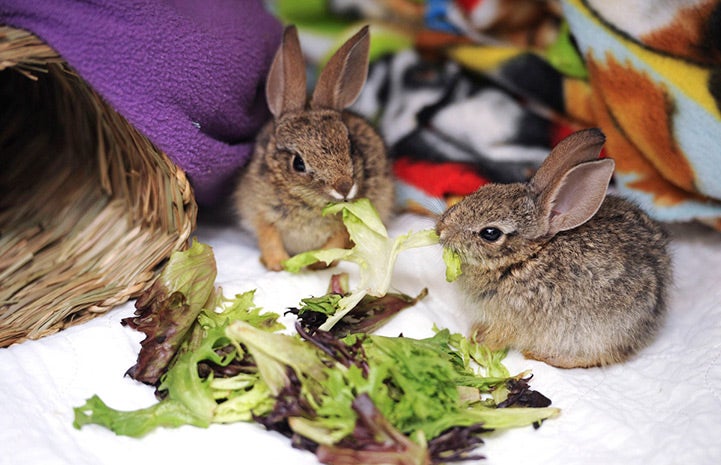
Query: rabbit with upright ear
pixel 312 153
pixel 557 269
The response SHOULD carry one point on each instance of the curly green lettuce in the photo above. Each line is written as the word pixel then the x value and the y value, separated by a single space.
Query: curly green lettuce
pixel 351 397
pixel 433 397
pixel 209 380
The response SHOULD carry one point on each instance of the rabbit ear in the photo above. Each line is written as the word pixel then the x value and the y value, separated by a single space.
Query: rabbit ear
pixel 579 147
pixel 342 79
pixel 577 196
pixel 285 88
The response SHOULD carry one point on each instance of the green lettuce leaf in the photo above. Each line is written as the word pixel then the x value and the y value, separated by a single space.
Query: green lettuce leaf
pixel 190 392
pixel 453 264
pixel 360 399
pixel 375 441
pixel 168 309
pixel 422 388
pixel 373 251
pixel 136 423
pixel 275 353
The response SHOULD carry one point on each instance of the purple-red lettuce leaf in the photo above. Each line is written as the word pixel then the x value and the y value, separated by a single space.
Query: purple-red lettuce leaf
pixel 365 317
pixel 166 312
pixel 374 441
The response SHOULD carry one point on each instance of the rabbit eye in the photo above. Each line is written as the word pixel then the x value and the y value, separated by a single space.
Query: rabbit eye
pixel 490 234
pixel 298 164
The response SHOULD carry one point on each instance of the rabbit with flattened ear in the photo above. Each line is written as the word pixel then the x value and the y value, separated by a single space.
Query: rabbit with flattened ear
pixel 311 154
pixel 557 269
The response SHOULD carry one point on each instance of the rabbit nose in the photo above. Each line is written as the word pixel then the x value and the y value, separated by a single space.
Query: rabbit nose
pixel 344 189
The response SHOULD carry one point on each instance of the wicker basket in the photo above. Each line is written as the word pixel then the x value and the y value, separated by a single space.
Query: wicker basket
pixel 89 208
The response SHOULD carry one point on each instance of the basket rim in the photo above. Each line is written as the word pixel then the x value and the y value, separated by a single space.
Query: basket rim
pixel 160 209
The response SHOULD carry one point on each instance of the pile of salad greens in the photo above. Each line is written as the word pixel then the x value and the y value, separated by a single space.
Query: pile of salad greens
pixel 331 386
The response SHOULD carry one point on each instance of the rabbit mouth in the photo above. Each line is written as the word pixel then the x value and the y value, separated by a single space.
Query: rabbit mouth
pixel 450 238
pixel 470 258
pixel 465 257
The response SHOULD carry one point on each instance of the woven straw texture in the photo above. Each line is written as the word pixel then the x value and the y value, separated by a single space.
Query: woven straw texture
pixel 89 208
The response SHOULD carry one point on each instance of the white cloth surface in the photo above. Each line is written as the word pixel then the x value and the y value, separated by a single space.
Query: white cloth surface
pixel 662 407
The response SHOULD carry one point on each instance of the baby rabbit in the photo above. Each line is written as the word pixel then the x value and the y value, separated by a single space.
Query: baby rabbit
pixel 554 270
pixel 311 154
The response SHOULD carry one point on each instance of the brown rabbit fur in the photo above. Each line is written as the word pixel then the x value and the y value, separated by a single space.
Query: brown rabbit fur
pixel 312 153
pixel 554 270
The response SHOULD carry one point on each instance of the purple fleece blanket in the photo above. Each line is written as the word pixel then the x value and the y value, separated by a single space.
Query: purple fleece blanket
pixel 188 74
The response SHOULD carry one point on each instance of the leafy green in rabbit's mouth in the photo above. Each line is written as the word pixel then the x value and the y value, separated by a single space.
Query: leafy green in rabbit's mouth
pixel 453 262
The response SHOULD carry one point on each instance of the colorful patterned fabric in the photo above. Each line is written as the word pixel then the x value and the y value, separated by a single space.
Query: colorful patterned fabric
pixel 495 83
